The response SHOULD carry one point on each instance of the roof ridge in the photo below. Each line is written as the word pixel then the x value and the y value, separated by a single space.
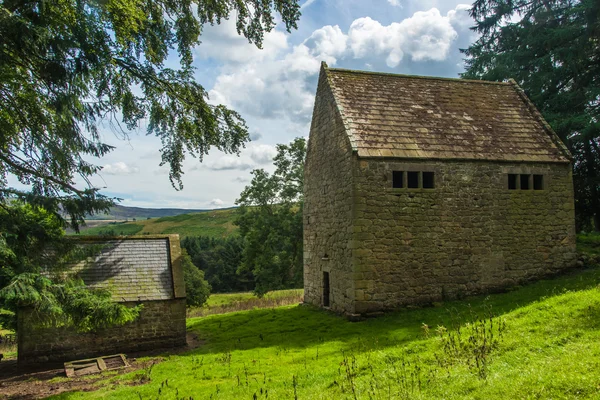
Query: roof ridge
pixel 355 71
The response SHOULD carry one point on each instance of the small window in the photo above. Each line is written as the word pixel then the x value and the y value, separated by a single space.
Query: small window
pixel 413 179
pixel 427 180
pixel 512 181
pixel 398 179
pixel 525 182
pixel 538 182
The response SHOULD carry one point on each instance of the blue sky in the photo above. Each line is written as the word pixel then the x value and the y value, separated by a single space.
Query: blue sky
pixel 274 88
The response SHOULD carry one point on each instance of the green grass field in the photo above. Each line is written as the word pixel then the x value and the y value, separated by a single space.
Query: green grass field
pixel 543 342
pixel 220 303
pixel 589 243
pixel 210 223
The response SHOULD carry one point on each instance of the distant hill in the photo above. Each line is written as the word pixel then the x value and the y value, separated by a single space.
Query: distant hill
pixel 122 212
pixel 214 223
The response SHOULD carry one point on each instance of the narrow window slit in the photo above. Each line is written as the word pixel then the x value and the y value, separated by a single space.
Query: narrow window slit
pixel 413 179
pixel 428 181
pixel 525 182
pixel 398 179
pixel 538 182
pixel 512 181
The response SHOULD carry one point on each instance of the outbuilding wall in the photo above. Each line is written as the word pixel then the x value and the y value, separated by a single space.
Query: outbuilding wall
pixel 327 209
pixel 469 234
pixel 136 270
pixel 161 325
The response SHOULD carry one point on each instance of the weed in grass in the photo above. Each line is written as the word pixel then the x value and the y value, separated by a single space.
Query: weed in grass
pixel 349 371
pixel 145 374
pixel 295 385
pixel 407 377
pixel 471 344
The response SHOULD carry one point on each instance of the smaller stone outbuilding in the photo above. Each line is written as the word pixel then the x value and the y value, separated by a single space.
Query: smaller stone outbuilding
pixel 135 269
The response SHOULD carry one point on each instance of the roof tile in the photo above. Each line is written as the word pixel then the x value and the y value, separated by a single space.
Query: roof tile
pixel 392 115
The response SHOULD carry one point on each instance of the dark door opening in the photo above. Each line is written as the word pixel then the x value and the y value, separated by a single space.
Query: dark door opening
pixel 325 289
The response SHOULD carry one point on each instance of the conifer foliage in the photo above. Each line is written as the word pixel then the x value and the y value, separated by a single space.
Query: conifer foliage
pixel 552 49
pixel 67 66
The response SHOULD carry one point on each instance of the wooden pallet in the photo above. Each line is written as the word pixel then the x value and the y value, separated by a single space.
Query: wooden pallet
pixel 95 365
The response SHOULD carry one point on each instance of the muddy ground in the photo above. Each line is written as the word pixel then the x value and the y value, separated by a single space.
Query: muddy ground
pixel 43 381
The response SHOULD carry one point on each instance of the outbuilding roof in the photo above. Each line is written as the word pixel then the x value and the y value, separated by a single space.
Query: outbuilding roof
pixel 390 115
pixel 134 268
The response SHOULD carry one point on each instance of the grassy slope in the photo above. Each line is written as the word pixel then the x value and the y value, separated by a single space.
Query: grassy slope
pixel 550 348
pixel 210 223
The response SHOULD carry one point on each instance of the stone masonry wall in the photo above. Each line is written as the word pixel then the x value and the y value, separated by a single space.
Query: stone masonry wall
pixel 161 325
pixel 327 209
pixel 469 234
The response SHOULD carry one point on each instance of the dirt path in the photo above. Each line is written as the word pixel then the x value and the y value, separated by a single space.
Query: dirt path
pixel 37 383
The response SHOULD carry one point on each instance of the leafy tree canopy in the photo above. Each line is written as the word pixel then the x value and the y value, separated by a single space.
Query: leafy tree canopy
pixel 197 289
pixel 270 221
pixel 552 49
pixel 68 65
pixel 31 242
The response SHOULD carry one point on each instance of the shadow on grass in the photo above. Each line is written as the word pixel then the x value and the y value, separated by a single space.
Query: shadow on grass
pixel 298 327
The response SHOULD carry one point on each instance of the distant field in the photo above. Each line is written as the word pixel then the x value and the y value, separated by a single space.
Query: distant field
pixel 221 303
pixel 216 223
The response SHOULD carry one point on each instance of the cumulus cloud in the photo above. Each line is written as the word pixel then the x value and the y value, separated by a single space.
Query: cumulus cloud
pixel 119 168
pixel 222 42
pixel 427 35
pixel 262 153
pixel 459 17
pixel 227 162
pixel 217 202
pixel 282 85
pixel 395 3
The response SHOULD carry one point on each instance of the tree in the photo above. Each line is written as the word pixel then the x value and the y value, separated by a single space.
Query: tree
pixel 270 221
pixel 552 49
pixel 220 259
pixel 31 241
pixel 68 65
pixel 197 289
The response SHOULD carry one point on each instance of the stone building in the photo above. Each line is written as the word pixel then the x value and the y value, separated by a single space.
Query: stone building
pixel 422 189
pixel 136 269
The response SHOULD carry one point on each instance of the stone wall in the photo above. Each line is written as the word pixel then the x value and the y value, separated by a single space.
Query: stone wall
pixel 328 206
pixel 161 325
pixel 469 234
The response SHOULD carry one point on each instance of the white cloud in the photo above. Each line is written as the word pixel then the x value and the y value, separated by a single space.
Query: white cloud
pixel 327 43
pixel 460 18
pixel 395 3
pixel 280 86
pixel 226 162
pixel 222 42
pixel 119 168
pixel 262 153
pixel 427 35
pixel 217 202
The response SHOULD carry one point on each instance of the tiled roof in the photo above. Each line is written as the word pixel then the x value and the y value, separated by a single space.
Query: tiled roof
pixel 132 269
pixel 389 115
